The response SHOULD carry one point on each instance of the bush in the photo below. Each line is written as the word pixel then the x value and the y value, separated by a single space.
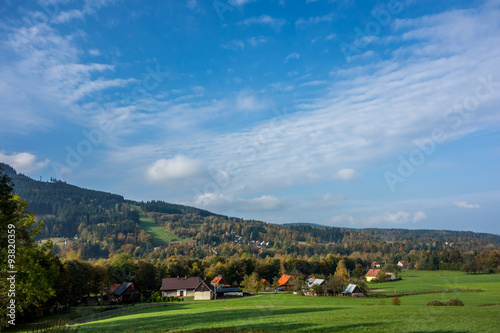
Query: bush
pixel 396 301
pixel 454 302
pixel 435 302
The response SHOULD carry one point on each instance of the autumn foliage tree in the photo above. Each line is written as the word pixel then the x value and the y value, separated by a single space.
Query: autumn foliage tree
pixel 31 268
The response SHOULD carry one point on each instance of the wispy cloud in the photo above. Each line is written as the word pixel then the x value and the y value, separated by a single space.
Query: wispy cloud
pixel 314 20
pixel 464 204
pixel 293 55
pixel 274 23
pixel 346 174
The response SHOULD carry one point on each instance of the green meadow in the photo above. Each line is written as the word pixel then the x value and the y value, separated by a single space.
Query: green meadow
pixel 284 312
pixel 160 235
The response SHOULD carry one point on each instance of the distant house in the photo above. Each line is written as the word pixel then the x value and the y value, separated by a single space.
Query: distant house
pixel 124 292
pixel 315 282
pixel 391 276
pixel 372 274
pixel 353 290
pixel 219 282
pixel 311 282
pixel 286 282
pixel 206 291
pixel 265 284
pixel 403 264
pixel 180 287
pixel 375 265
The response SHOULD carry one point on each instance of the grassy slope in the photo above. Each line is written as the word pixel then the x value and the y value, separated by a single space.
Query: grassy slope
pixel 160 235
pixel 286 312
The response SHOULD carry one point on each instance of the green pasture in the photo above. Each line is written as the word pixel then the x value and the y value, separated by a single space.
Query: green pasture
pixel 294 313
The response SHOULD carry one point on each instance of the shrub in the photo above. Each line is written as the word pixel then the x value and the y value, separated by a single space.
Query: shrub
pixel 435 302
pixel 396 301
pixel 454 302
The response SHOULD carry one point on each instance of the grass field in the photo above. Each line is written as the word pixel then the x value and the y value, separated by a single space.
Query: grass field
pixel 295 313
pixel 160 235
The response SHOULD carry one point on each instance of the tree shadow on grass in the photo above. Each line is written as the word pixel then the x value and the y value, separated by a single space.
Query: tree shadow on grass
pixel 163 320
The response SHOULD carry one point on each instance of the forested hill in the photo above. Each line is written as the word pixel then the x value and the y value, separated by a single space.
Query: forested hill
pixel 399 234
pixel 98 224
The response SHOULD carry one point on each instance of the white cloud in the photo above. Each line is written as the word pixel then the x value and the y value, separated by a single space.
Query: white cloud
pixel 219 201
pixel 346 174
pixel 464 204
pixel 234 44
pixel 94 52
pixel 257 41
pixel 385 219
pixel 418 216
pixel 293 55
pixel 239 3
pixel 274 23
pixel 178 167
pixel 314 20
pixel 246 100
pixel 23 162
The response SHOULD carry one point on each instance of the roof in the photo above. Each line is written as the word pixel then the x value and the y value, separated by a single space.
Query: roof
pixel 315 282
pixel 264 281
pixel 373 272
pixel 121 288
pixel 179 283
pixel 205 284
pixel 284 280
pixel 352 289
pixel 113 287
pixel 219 280
pixel 228 290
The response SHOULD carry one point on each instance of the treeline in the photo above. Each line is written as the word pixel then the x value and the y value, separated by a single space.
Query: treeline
pixel 415 235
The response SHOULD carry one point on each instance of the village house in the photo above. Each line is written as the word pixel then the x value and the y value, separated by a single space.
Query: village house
pixel 206 291
pixel 180 286
pixel 124 292
pixel 311 282
pixel 353 290
pixel 315 282
pixel 375 265
pixel 372 274
pixel 265 284
pixel 219 282
pixel 403 264
pixel 286 282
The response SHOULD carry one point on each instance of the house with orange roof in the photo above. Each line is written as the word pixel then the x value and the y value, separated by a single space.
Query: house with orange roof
pixel 286 282
pixel 219 282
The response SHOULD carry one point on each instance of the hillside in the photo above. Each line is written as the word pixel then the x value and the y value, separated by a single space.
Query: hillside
pixel 98 224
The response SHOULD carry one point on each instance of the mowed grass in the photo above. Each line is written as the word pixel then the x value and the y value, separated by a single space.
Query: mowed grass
pixel 294 313
pixel 160 235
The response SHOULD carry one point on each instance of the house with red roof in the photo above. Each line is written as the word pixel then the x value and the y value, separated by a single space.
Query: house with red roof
pixel 219 282
pixel 372 274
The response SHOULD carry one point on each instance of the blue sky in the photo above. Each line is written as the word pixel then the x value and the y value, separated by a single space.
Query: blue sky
pixel 344 113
